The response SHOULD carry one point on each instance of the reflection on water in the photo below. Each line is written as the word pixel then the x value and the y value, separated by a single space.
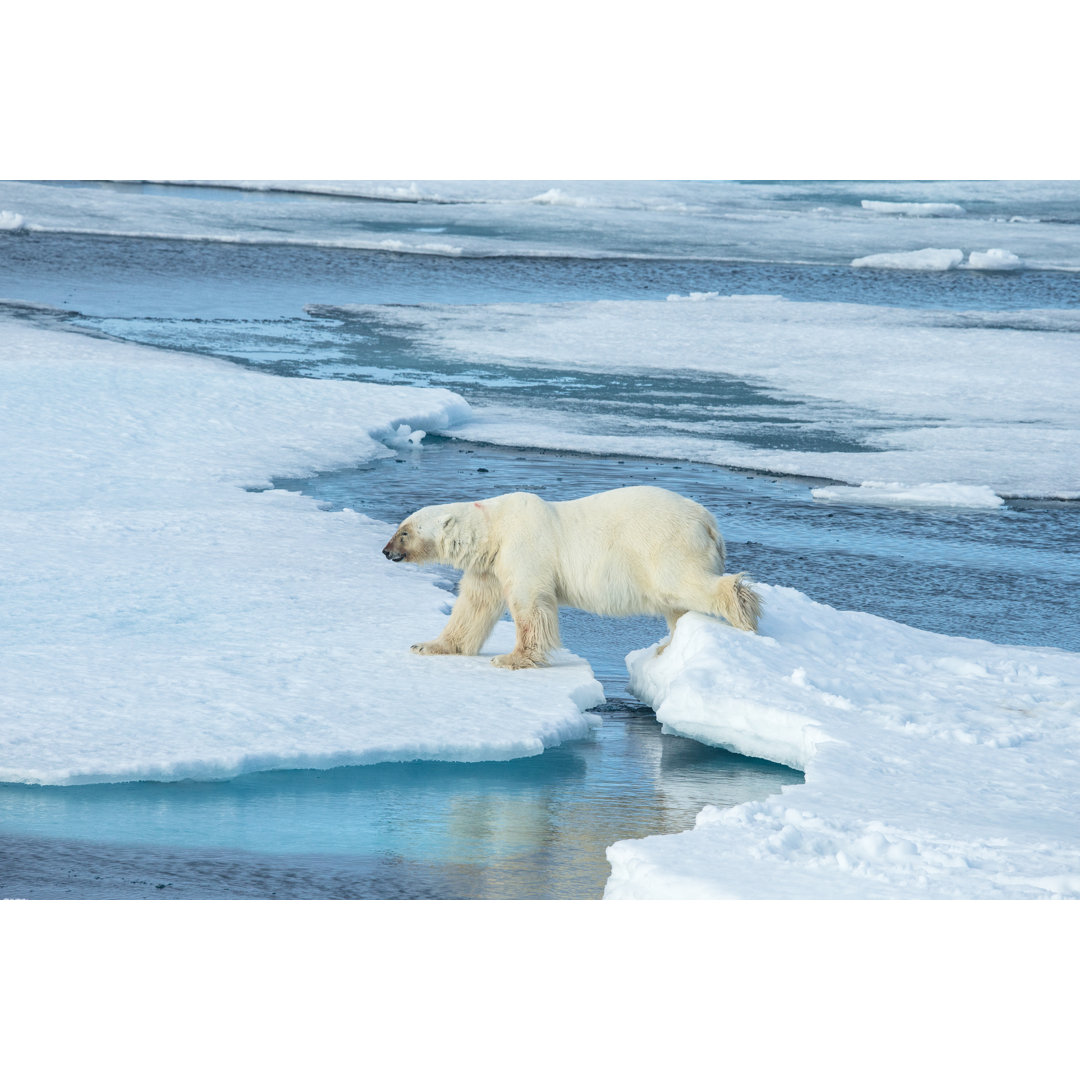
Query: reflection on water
pixel 534 828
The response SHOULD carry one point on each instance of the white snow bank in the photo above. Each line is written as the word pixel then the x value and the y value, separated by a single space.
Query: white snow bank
pixel 10 222
pixel 923 259
pixel 881 493
pixel 994 259
pixel 935 767
pixel 914 209
pixel 161 622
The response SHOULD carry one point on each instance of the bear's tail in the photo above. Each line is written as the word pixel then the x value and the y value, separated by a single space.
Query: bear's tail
pixel 737 602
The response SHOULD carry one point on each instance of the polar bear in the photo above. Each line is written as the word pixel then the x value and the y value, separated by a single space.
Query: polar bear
pixel 631 551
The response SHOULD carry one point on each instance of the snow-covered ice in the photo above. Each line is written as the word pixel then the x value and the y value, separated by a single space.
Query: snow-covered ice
pixel 10 222
pixel 936 767
pixel 923 259
pixel 884 494
pixel 942 259
pixel 160 621
pixel 913 209
pixel 977 399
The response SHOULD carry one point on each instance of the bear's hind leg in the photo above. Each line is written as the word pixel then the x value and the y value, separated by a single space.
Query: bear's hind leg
pixel 476 611
pixel 537 625
pixel 672 618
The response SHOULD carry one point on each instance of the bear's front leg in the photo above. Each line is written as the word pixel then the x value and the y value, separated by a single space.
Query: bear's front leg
pixel 476 611
pixel 537 626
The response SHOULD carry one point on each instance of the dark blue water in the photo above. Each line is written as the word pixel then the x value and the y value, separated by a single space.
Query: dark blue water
pixel 146 278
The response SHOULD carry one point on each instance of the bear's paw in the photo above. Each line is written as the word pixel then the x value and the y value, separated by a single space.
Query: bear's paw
pixel 515 661
pixel 433 648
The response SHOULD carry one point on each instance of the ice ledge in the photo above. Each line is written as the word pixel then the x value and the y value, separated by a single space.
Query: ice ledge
pixel 161 622
pixel 935 766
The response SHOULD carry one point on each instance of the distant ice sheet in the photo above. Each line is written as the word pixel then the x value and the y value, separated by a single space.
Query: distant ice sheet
pixel 975 399
pixel 161 622
pixel 789 222
pixel 935 767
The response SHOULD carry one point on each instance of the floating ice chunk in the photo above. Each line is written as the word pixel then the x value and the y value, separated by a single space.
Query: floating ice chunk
pixel 694 296
pixel 403 437
pixel 923 259
pixel 401 246
pixel 994 259
pixel 877 492
pixel 555 197
pixel 10 222
pixel 935 766
pixel 914 209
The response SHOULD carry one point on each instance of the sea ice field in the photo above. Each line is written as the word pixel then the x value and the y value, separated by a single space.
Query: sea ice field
pixel 218 400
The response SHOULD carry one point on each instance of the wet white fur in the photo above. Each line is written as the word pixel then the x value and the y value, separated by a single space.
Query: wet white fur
pixel 631 551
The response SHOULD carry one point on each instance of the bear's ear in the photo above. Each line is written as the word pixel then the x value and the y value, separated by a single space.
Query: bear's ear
pixel 446 520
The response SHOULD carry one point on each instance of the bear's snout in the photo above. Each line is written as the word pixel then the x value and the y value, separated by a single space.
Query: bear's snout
pixel 392 553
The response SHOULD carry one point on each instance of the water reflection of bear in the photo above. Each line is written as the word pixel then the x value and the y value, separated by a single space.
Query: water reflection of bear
pixel 631 551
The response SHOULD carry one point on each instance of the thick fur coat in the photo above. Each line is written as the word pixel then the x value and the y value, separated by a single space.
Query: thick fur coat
pixel 631 551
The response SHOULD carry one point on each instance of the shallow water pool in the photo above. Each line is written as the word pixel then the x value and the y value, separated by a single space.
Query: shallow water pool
pixel 534 828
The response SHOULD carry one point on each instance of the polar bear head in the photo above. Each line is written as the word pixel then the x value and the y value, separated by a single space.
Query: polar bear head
pixel 454 534
pixel 419 538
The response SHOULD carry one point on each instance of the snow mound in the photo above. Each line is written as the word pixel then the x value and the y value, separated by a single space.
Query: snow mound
pixel 994 259
pixel 881 493
pixel 914 209
pixel 923 259
pixel 935 766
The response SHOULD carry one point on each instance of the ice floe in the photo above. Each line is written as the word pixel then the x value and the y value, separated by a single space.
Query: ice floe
pixel 914 209
pixel 923 259
pixel 979 399
pixel 936 767
pixel 994 259
pixel 885 494
pixel 163 622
